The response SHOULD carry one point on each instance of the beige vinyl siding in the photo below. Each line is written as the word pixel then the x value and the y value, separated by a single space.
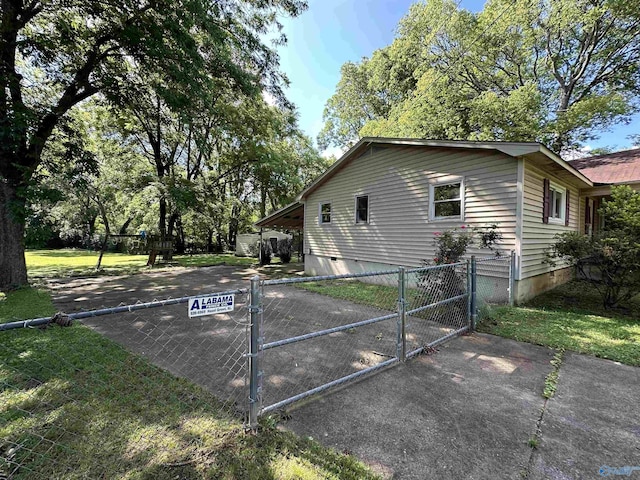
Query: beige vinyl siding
pixel 396 179
pixel 536 235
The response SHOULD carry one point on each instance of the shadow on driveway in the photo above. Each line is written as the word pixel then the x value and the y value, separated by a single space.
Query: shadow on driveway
pixel 469 411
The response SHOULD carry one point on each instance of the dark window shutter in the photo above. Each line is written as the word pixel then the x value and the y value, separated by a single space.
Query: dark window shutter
pixel 546 201
pixel 566 211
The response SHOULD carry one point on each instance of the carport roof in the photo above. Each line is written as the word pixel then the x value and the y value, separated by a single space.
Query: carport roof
pixel 291 216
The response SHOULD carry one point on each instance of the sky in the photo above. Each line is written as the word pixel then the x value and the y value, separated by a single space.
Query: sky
pixel 332 32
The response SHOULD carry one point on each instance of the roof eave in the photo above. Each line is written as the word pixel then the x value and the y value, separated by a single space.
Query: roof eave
pixel 558 160
pixel 513 149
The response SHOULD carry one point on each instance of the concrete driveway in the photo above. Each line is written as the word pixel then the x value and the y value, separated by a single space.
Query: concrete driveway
pixel 470 410
pixel 210 350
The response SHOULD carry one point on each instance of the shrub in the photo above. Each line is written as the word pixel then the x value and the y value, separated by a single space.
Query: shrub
pixel 609 259
pixel 285 249
pixel 440 284
pixel 265 253
pixel 451 245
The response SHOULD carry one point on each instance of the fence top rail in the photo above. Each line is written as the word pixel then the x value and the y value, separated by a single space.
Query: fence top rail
pixel 34 322
pixel 281 281
pixel 495 258
pixel 435 267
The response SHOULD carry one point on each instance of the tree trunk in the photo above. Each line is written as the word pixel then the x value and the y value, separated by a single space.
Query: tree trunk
pixel 263 201
pixel 233 231
pixel 173 218
pixel 219 246
pixel 209 241
pixel 13 268
pixel 162 221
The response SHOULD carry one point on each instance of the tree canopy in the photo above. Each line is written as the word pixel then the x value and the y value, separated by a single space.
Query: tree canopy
pixel 560 72
pixel 187 55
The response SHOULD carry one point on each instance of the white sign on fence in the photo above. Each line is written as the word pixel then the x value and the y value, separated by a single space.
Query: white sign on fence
pixel 210 305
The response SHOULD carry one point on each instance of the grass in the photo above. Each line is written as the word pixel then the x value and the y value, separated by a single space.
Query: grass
pixel 572 317
pixel 380 296
pixel 551 380
pixel 74 404
pixel 72 262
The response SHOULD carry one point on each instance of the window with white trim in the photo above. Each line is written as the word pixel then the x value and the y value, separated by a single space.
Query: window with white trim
pixel 362 209
pixel 324 212
pixel 446 200
pixel 557 204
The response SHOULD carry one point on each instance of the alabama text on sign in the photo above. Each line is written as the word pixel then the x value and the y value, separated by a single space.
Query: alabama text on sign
pixel 210 304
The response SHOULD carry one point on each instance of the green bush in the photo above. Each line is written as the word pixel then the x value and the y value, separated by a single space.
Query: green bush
pixel 285 249
pixel 265 253
pixel 451 245
pixel 609 259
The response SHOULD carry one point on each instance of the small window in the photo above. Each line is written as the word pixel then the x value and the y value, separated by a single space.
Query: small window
pixel 557 202
pixel 362 209
pixel 446 200
pixel 325 213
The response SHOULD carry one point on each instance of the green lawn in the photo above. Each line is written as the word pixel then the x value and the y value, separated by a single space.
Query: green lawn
pixel 381 296
pixel 72 262
pixel 572 317
pixel 74 404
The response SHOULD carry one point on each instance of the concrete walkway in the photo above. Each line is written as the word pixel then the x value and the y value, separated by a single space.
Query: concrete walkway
pixel 470 411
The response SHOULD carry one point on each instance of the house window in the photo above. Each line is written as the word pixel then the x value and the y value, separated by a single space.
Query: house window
pixel 446 200
pixel 362 209
pixel 557 204
pixel 325 212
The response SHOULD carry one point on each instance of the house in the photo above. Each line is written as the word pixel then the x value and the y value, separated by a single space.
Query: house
pixel 381 204
pixel 247 244
pixel 619 168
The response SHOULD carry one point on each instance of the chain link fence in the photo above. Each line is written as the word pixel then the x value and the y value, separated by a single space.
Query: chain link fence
pixel 137 376
pixel 437 305
pixel 237 354
pixel 321 329
pixel 315 333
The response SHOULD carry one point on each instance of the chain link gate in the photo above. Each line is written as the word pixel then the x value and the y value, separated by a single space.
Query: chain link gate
pixel 284 340
pixel 313 333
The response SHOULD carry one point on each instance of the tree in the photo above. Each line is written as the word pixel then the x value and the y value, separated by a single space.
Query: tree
pixel 558 72
pixel 55 54
pixel 353 105
pixel 89 182
pixel 609 259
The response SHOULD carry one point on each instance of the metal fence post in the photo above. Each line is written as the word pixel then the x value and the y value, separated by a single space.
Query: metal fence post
pixel 401 345
pixel 474 305
pixel 469 291
pixel 512 278
pixel 255 342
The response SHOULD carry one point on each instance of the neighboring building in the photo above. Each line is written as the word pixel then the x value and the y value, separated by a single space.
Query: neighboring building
pixel 246 242
pixel 382 202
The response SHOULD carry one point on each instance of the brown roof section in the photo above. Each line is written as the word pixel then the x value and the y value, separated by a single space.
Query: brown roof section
pixel 619 167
